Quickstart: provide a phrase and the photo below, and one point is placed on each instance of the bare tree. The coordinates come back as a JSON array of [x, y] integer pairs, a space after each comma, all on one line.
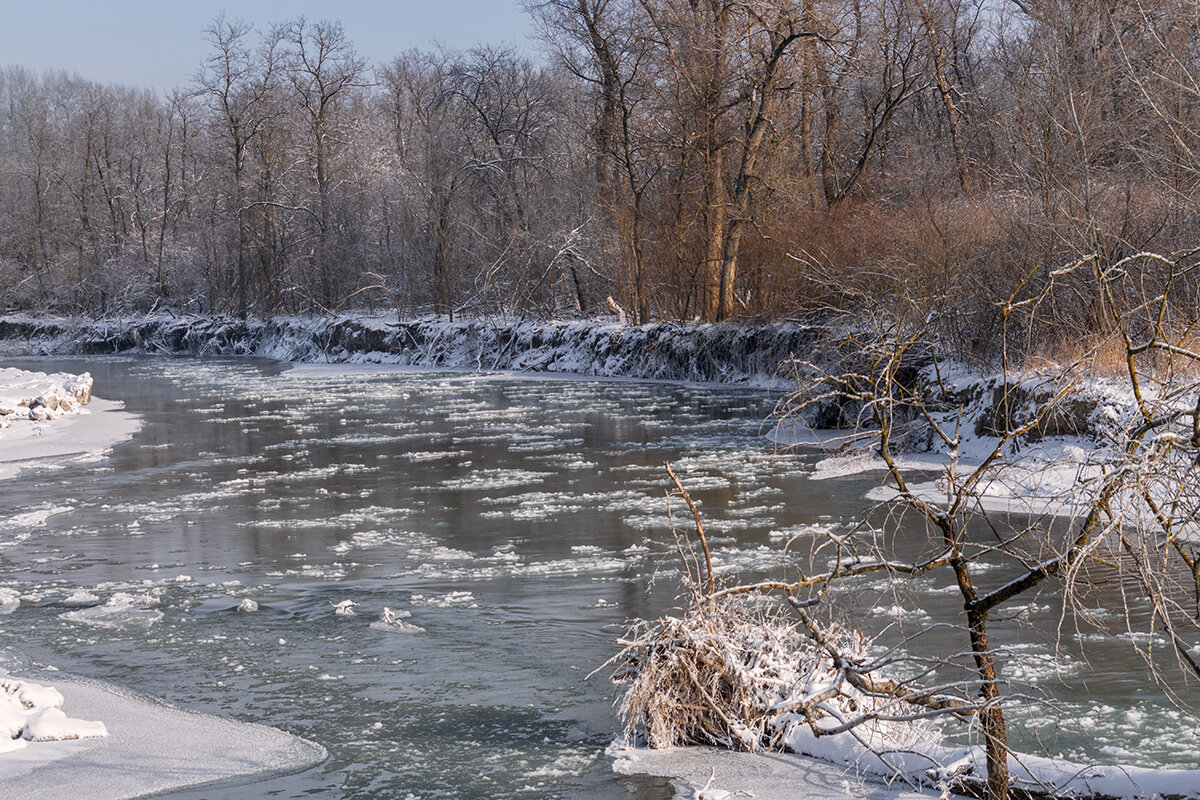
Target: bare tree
[[324, 68], [240, 82]]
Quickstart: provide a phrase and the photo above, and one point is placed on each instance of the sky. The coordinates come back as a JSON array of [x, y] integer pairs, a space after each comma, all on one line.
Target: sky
[[159, 44]]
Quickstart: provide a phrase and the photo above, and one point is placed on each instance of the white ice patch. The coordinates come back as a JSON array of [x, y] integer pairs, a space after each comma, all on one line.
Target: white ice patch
[[16, 528], [81, 597], [449, 600], [391, 622], [423, 457], [491, 479], [566, 765], [344, 609], [779, 776], [10, 600], [123, 610]]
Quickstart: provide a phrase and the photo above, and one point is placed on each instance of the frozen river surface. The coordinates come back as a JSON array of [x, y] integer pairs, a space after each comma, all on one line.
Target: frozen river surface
[[520, 522]]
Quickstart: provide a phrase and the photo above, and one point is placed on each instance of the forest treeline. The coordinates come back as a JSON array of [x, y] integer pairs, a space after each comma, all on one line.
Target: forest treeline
[[677, 158]]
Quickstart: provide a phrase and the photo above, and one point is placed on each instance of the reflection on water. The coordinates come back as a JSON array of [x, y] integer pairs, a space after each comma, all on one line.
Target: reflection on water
[[521, 522]]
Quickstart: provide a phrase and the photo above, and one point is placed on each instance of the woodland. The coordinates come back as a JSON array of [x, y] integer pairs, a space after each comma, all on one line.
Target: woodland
[[667, 159]]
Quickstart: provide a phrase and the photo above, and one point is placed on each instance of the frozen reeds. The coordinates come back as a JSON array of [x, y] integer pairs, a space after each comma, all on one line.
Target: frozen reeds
[[716, 676], [747, 672]]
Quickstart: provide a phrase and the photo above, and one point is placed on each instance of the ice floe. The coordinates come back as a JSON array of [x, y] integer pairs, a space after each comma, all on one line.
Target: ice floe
[[120, 611]]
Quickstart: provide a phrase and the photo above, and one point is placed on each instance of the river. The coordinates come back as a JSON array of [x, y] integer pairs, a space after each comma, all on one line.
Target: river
[[521, 522]]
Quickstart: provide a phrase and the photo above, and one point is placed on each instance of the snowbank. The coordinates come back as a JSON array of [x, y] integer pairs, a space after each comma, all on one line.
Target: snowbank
[[30, 712], [787, 776], [44, 422], [1040, 473], [733, 353], [38, 397], [150, 748], [708, 773]]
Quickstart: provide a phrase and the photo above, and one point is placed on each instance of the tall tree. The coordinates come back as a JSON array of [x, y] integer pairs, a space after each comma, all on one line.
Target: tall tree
[[325, 67], [239, 81]]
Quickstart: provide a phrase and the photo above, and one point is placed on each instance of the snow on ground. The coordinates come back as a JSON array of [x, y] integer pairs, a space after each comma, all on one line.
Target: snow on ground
[[709, 773], [1042, 477], [30, 712], [151, 748], [39, 396], [927, 762], [787, 776], [44, 424]]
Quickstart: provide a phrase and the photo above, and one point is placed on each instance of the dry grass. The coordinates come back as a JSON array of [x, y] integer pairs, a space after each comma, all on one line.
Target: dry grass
[[713, 675], [1105, 355], [739, 674]]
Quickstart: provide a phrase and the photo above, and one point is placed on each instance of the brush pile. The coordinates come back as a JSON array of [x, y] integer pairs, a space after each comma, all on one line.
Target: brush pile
[[740, 675]]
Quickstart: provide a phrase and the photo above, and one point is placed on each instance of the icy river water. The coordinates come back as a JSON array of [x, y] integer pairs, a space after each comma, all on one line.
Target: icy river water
[[521, 522]]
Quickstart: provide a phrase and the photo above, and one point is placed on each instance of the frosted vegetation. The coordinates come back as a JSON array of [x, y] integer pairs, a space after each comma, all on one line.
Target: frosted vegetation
[[803, 158], [977, 220], [1119, 508]]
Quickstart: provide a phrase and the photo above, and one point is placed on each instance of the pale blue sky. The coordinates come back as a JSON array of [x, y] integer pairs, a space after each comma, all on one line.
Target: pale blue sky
[[158, 43]]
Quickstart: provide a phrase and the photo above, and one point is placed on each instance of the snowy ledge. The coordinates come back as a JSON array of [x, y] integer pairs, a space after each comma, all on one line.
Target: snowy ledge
[[44, 423], [151, 748], [747, 354], [710, 773]]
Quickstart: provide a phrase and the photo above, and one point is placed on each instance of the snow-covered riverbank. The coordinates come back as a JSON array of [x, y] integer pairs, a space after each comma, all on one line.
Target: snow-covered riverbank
[[30, 712], [746, 354], [50, 419], [709, 773], [150, 748], [39, 397]]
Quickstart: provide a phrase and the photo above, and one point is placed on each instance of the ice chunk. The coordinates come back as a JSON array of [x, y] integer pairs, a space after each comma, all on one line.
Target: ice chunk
[[391, 622], [10, 600], [81, 597], [30, 695], [122, 610], [52, 725]]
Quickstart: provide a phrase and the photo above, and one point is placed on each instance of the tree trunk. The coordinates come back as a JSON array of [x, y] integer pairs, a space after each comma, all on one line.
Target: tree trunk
[[945, 90], [991, 719]]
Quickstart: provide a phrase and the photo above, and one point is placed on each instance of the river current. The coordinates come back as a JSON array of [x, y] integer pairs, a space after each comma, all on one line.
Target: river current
[[521, 522]]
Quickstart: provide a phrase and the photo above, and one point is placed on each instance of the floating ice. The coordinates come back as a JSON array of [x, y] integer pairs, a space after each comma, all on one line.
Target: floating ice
[[488, 479], [122, 610], [10, 600], [80, 597], [391, 622], [449, 600]]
